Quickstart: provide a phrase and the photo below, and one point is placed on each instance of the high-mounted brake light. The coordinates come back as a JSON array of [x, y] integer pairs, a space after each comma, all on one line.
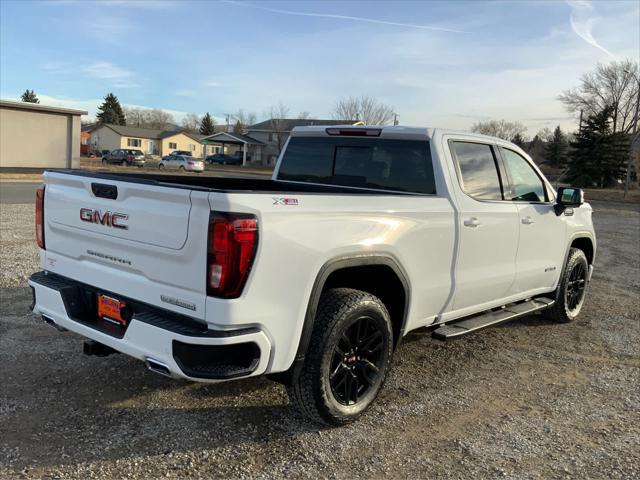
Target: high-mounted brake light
[[233, 239], [354, 132], [40, 216]]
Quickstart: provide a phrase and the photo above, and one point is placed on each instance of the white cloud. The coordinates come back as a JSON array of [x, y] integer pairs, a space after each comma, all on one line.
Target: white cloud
[[582, 21], [106, 71], [185, 93]]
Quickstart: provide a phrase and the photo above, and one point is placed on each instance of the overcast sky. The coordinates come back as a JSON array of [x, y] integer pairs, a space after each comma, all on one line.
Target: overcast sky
[[445, 64]]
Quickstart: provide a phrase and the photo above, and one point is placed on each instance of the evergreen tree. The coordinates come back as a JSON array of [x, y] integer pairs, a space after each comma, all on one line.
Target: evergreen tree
[[519, 140], [556, 150], [598, 156], [207, 125], [110, 111], [29, 96]]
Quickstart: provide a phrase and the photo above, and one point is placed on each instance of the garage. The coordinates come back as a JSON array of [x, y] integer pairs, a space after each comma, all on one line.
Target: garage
[[38, 136]]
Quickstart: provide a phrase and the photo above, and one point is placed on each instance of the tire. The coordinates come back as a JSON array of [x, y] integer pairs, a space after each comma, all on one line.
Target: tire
[[351, 341], [160, 166], [572, 288], [182, 169], [104, 161]]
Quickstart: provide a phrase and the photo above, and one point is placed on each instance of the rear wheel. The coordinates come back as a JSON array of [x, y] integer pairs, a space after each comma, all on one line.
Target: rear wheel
[[347, 360], [182, 168], [104, 161], [572, 288], [161, 166]]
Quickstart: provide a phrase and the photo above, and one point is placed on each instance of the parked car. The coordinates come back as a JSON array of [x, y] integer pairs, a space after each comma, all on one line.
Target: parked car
[[125, 156], [221, 159], [237, 155], [181, 162], [362, 235], [181, 152], [104, 152]]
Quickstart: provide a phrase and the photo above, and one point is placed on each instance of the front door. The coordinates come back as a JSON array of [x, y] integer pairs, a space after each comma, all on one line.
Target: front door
[[487, 225], [541, 246]]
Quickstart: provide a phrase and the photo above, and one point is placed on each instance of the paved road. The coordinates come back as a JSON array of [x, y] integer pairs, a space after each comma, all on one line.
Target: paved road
[[18, 192]]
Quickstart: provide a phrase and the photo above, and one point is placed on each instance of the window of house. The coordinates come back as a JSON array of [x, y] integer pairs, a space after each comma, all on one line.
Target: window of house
[[192, 147], [173, 145], [478, 168], [272, 137], [526, 185], [134, 142]]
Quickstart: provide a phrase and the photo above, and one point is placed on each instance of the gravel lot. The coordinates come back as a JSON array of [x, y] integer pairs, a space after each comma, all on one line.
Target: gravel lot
[[530, 399]]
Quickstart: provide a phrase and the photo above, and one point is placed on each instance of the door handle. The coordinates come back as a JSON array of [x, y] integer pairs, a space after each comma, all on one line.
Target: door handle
[[527, 220], [472, 222]]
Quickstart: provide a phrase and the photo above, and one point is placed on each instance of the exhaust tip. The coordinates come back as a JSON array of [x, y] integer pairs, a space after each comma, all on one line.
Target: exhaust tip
[[52, 323], [158, 367]]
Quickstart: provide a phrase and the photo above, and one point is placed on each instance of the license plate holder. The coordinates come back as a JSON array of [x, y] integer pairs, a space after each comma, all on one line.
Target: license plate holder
[[110, 309]]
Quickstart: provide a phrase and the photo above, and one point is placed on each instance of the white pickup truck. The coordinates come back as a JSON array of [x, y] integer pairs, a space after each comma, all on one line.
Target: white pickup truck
[[314, 276]]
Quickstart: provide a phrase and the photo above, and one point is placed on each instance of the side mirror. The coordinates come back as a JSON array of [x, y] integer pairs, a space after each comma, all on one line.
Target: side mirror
[[568, 197]]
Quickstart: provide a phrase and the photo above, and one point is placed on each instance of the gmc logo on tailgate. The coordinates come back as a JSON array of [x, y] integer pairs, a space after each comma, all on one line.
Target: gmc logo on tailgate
[[108, 219]]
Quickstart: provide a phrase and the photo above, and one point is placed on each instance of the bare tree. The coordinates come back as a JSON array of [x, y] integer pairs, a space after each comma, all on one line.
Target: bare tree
[[304, 115], [191, 122], [135, 117], [500, 128], [367, 109], [245, 118], [277, 115], [612, 85], [146, 118]]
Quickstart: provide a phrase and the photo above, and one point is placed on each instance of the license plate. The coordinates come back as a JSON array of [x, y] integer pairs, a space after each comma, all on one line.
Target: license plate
[[110, 309]]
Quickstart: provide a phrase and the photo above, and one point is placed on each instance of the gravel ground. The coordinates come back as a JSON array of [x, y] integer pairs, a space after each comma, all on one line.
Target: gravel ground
[[530, 399]]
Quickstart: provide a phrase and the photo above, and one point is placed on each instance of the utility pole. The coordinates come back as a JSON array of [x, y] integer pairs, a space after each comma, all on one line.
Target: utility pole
[[395, 119], [634, 138]]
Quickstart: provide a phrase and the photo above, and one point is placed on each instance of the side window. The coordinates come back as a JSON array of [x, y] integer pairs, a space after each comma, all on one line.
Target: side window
[[478, 170], [526, 185]]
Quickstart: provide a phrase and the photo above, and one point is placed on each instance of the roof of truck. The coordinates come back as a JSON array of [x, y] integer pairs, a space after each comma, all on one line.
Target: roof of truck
[[392, 131]]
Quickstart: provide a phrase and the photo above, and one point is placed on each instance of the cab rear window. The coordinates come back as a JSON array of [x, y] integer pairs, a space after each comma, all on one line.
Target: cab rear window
[[384, 164]]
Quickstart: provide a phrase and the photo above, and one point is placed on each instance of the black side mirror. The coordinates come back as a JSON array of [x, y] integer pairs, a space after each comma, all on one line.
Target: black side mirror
[[568, 198]]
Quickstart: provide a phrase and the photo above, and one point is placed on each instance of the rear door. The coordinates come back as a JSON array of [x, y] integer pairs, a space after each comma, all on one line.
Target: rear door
[[542, 232], [487, 225], [141, 240]]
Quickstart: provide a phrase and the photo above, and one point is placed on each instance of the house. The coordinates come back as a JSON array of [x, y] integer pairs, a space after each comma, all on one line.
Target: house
[[38, 136], [85, 138], [273, 134], [231, 142], [150, 140]]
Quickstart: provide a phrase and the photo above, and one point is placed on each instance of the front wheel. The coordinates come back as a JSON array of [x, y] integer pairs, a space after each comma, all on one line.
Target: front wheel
[[161, 167], [348, 357], [572, 288]]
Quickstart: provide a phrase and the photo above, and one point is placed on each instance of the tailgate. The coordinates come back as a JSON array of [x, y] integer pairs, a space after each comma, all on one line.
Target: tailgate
[[140, 239]]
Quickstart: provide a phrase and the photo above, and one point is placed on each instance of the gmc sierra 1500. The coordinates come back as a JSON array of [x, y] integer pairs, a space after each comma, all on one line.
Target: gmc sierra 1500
[[313, 277]]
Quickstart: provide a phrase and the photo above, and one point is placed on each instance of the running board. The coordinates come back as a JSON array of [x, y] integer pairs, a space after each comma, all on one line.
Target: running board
[[493, 317]]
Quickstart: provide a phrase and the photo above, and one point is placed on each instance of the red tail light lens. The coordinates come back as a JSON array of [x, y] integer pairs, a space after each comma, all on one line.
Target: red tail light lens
[[233, 239], [40, 216]]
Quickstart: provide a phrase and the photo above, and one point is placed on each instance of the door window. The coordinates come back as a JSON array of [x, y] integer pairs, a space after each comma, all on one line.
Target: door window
[[479, 175], [526, 185]]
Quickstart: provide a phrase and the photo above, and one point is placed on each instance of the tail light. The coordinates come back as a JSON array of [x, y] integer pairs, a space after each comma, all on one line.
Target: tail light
[[129, 157], [233, 239], [40, 216], [191, 163]]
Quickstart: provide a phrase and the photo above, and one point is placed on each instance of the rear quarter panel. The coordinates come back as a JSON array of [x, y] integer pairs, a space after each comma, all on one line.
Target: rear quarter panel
[[295, 241]]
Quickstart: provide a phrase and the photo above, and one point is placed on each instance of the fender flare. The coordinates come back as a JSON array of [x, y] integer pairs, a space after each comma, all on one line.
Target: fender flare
[[331, 266]]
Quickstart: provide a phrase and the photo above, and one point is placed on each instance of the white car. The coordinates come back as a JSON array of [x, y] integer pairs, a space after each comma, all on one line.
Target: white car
[[313, 277], [181, 162]]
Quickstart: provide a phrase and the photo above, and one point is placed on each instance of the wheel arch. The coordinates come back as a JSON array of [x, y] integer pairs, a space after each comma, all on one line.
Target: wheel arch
[[377, 273], [586, 244]]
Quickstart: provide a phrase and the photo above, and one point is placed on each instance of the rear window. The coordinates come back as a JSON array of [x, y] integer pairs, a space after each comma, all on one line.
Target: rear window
[[385, 164], [135, 152]]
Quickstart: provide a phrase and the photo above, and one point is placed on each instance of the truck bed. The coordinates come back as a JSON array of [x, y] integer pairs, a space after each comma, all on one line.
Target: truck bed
[[227, 184]]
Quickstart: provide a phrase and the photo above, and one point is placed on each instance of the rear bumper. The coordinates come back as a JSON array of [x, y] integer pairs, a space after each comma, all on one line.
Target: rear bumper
[[185, 347]]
